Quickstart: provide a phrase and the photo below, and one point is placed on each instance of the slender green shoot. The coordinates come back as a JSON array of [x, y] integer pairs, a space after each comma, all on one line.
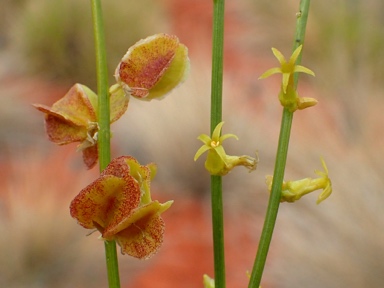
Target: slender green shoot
[[102, 86], [301, 25], [104, 127], [281, 158], [216, 116]]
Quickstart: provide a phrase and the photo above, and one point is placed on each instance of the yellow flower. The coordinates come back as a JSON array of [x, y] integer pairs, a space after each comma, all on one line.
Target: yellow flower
[[288, 96], [287, 68], [294, 190], [218, 162]]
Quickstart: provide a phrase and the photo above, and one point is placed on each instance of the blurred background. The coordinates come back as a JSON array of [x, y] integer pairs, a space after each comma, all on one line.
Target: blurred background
[[46, 46]]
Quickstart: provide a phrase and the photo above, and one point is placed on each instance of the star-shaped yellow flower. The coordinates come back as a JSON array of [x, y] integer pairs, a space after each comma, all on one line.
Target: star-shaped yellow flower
[[287, 68], [218, 162]]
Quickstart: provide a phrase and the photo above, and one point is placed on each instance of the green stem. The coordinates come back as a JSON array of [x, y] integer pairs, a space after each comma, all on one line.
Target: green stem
[[112, 264], [218, 231], [274, 200], [102, 86], [217, 63], [216, 116], [301, 25], [104, 127], [281, 158]]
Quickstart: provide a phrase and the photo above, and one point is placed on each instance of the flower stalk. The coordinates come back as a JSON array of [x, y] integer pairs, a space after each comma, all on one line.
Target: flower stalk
[[216, 118], [281, 158], [104, 134]]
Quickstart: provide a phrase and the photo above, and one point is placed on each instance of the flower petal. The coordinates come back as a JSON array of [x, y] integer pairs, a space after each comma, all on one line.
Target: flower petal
[[205, 139], [62, 131], [92, 98], [302, 69], [324, 165], [95, 204], [141, 234], [76, 105], [226, 136], [118, 102], [221, 152], [280, 57], [285, 81], [270, 72], [321, 173], [68, 118], [109, 199], [295, 55], [90, 156], [201, 151], [117, 167], [217, 131], [216, 161], [142, 174], [153, 168], [145, 63], [327, 191], [176, 74]]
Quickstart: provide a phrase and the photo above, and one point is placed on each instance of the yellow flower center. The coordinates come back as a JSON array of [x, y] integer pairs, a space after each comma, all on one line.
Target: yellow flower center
[[287, 67], [214, 144]]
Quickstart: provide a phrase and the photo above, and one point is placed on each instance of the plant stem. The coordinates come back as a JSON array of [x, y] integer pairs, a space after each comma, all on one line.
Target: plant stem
[[281, 158], [301, 25], [218, 230], [104, 127], [112, 264], [217, 63], [274, 200], [216, 116], [102, 86]]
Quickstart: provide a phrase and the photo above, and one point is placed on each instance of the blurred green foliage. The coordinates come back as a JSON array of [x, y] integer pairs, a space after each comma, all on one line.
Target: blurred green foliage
[[55, 38], [350, 34]]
